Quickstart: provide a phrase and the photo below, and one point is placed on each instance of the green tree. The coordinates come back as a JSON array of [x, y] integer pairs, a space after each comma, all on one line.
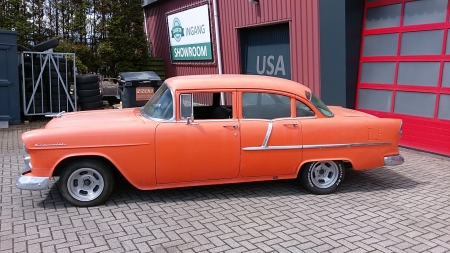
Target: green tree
[[125, 48], [14, 15]]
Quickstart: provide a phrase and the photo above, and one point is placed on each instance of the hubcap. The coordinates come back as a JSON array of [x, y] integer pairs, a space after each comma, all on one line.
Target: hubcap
[[85, 184], [324, 174]]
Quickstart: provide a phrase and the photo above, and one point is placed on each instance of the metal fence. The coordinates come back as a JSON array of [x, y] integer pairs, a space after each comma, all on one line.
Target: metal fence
[[48, 83]]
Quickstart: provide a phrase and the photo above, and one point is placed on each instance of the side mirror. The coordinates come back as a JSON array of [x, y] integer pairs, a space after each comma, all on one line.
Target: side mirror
[[190, 120]]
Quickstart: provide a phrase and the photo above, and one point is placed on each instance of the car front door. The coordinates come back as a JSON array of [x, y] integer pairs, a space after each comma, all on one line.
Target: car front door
[[198, 149], [271, 135]]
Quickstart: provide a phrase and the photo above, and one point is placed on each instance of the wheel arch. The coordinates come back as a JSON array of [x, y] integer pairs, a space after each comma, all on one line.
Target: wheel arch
[[68, 160], [347, 163]]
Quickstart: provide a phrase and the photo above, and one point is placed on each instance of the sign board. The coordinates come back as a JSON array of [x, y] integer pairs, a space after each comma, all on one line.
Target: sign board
[[190, 34], [144, 93]]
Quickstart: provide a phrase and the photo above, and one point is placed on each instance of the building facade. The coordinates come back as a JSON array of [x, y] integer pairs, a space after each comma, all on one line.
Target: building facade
[[384, 57]]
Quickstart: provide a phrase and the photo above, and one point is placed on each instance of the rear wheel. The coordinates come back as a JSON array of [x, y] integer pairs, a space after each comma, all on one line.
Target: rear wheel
[[322, 177], [86, 183]]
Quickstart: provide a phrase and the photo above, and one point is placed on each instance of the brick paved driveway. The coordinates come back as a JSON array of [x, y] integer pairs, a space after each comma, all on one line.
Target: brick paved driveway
[[398, 209]]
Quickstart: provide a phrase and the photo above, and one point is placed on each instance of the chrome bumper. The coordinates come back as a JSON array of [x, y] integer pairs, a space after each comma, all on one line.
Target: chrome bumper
[[25, 182], [393, 160]]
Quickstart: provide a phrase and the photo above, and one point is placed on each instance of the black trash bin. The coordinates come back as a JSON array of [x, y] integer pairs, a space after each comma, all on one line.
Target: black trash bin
[[137, 87]]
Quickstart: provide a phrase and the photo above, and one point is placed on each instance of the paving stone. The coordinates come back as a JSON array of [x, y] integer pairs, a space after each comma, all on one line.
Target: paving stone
[[388, 209]]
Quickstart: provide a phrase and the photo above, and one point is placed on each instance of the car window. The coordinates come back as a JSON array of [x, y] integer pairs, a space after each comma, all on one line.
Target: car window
[[260, 105], [321, 106], [302, 110], [207, 105], [160, 106]]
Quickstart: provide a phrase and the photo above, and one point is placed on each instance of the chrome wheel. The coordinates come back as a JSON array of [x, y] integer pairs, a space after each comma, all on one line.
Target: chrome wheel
[[85, 184], [324, 174]]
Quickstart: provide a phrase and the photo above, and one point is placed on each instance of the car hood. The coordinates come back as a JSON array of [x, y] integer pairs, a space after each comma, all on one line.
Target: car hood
[[344, 112], [96, 118]]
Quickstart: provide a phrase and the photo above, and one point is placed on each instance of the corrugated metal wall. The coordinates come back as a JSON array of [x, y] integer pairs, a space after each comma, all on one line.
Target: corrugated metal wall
[[302, 16]]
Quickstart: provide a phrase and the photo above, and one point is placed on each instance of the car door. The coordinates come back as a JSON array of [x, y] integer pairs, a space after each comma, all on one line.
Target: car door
[[271, 135], [206, 148]]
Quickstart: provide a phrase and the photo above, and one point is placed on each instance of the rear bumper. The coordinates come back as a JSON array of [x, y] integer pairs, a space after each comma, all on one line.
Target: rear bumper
[[393, 160], [33, 183]]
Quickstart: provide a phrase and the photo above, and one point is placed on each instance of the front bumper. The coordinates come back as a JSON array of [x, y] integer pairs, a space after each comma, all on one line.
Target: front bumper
[[33, 183], [393, 160]]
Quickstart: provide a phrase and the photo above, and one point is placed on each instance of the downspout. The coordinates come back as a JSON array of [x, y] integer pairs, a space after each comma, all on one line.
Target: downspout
[[219, 50], [146, 33], [216, 27]]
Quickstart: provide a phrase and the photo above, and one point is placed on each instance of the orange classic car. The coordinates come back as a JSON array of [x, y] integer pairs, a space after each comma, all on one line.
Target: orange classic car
[[204, 130]]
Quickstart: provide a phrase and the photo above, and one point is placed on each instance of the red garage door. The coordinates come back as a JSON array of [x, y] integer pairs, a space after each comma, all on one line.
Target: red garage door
[[404, 69]]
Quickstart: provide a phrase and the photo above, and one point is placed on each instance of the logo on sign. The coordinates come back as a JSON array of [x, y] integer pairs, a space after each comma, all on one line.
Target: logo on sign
[[177, 30], [144, 93]]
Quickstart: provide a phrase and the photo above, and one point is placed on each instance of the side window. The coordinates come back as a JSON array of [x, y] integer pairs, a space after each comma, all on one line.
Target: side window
[[257, 105], [302, 110], [206, 105]]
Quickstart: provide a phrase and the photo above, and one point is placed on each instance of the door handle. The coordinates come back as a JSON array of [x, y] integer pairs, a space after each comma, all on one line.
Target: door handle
[[292, 124], [233, 126]]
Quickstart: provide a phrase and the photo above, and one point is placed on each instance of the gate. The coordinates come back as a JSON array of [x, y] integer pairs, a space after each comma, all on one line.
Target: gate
[[48, 83]]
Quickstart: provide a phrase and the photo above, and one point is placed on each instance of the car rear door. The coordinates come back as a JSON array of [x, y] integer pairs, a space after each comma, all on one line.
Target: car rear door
[[271, 135]]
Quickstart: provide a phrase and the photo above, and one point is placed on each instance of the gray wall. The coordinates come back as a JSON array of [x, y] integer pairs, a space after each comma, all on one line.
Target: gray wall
[[340, 39]]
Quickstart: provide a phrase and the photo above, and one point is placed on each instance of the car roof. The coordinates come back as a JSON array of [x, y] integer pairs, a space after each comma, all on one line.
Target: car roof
[[236, 81]]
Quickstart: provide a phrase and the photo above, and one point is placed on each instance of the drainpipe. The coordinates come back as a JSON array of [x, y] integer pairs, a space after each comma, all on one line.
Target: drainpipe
[[219, 50], [216, 27], [146, 33]]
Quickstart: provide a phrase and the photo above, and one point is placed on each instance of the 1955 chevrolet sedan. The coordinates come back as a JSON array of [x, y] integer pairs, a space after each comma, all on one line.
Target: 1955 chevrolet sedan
[[203, 130]]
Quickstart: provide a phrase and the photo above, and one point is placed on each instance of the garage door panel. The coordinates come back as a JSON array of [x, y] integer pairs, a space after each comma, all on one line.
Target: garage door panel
[[408, 77], [266, 51]]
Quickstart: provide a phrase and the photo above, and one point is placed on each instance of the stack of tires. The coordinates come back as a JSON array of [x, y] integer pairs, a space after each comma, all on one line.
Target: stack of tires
[[88, 92], [57, 79], [35, 93]]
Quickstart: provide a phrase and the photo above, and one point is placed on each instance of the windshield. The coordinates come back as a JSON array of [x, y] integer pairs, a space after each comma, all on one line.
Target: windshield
[[321, 106], [160, 106]]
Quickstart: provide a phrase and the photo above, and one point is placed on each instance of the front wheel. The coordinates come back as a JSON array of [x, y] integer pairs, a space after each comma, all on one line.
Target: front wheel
[[322, 177], [86, 183]]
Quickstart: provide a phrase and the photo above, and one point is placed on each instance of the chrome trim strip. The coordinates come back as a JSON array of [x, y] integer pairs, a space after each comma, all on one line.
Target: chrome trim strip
[[348, 145], [268, 133], [393, 160], [27, 161], [273, 148]]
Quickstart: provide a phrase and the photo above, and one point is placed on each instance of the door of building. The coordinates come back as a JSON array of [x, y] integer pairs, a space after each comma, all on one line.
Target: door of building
[[265, 50], [404, 69], [9, 79]]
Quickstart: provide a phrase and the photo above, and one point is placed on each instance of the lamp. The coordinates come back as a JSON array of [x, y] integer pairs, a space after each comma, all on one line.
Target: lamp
[[254, 1]]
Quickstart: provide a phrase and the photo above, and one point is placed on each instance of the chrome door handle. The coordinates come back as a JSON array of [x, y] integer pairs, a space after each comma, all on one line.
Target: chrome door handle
[[293, 124], [233, 126]]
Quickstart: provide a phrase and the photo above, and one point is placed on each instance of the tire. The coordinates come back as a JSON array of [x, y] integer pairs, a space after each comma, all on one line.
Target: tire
[[88, 86], [21, 48], [86, 182], [88, 78], [46, 45], [59, 97], [322, 177], [90, 99], [91, 106], [52, 75], [88, 93], [37, 96], [61, 67], [61, 108]]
